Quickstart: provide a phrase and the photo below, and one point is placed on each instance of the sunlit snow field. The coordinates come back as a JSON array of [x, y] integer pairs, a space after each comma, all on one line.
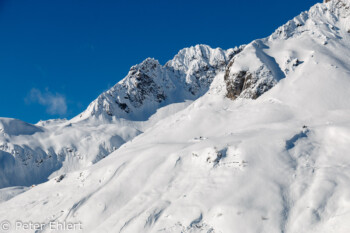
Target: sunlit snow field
[[279, 163]]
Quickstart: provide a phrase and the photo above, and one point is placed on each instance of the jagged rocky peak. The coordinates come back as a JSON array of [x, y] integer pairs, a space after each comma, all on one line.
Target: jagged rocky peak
[[147, 65], [196, 67], [192, 56], [149, 85], [144, 83]]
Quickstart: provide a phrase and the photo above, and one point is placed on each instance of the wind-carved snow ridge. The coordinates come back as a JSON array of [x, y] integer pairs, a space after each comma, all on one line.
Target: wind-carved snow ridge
[[292, 157], [149, 85], [255, 70]]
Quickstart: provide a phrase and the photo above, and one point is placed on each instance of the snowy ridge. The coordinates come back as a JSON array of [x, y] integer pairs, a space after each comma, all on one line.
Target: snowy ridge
[[319, 21], [149, 85]]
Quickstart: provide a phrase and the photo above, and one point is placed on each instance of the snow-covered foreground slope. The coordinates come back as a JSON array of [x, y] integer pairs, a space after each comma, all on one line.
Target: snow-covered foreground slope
[[279, 163], [248, 166]]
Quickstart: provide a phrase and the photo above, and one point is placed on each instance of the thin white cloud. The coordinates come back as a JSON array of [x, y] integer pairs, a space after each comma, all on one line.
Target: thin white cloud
[[55, 103]]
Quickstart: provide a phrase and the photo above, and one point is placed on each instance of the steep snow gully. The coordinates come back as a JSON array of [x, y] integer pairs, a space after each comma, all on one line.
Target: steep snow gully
[[251, 139]]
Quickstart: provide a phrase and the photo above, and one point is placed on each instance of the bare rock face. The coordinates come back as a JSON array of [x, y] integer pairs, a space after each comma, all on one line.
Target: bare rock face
[[237, 83], [144, 85], [248, 85], [251, 73]]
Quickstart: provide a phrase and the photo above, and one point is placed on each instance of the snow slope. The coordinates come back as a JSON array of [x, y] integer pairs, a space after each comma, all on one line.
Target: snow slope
[[276, 159]]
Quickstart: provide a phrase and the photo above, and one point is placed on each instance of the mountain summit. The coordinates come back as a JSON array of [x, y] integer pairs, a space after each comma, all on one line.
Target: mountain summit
[[149, 85]]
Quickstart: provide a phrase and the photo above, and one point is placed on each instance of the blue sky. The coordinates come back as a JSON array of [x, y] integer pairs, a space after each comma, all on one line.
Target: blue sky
[[58, 56]]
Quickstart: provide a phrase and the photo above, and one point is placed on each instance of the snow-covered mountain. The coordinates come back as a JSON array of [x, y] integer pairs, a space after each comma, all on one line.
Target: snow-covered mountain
[[31, 153], [149, 85], [260, 145]]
